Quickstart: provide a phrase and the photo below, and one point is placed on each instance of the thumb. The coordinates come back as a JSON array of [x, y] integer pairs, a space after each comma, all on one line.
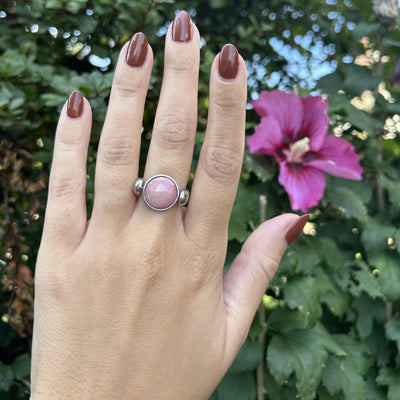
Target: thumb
[[247, 279]]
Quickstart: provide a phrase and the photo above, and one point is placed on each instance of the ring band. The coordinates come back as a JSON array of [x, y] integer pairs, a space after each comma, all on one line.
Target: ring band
[[161, 192]]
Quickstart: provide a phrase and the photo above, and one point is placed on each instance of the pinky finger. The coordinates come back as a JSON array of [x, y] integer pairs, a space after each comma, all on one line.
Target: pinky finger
[[65, 220]]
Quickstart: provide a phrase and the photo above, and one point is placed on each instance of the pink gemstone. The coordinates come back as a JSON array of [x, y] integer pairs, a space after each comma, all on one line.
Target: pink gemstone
[[161, 193]]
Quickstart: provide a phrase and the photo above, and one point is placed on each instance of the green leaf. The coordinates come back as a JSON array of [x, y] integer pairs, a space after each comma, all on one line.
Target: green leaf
[[364, 28], [331, 83], [6, 377], [368, 310], [360, 119], [237, 387], [275, 391], [358, 79], [366, 281], [355, 350], [54, 4], [244, 215], [248, 358], [397, 240], [302, 252], [303, 352], [283, 320], [390, 378], [12, 63], [75, 6], [21, 366], [392, 329], [262, 166], [374, 392], [328, 250], [340, 374], [53, 99], [347, 201], [379, 346], [7, 91], [388, 269], [323, 394], [336, 300], [375, 235], [393, 188], [302, 293], [339, 103], [363, 189]]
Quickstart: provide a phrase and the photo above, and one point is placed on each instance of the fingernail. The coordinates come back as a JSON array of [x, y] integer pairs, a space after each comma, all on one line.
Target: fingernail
[[75, 104], [137, 50], [228, 62], [294, 230], [182, 27]]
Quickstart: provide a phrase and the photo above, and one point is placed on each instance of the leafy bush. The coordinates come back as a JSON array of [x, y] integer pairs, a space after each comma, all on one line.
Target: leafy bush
[[329, 327]]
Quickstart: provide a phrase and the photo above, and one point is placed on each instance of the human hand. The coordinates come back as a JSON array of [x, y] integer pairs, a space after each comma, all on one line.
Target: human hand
[[133, 304]]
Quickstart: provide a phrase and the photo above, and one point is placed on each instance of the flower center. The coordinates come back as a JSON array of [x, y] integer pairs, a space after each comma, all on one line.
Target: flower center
[[297, 150]]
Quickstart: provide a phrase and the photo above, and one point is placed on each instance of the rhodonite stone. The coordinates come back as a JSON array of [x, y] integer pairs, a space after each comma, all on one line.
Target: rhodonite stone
[[160, 193]]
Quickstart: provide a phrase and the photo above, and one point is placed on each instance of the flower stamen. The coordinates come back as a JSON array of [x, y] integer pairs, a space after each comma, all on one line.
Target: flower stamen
[[297, 150]]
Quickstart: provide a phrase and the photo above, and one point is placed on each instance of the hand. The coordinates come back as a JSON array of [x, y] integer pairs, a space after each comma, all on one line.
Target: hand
[[133, 304]]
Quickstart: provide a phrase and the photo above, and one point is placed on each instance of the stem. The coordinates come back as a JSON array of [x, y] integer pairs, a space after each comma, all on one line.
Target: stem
[[261, 314], [380, 197]]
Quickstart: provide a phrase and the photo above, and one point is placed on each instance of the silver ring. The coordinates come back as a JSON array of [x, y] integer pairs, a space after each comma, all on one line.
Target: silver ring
[[161, 192]]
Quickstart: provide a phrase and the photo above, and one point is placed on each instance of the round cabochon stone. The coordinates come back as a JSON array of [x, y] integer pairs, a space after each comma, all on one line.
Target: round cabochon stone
[[160, 193]]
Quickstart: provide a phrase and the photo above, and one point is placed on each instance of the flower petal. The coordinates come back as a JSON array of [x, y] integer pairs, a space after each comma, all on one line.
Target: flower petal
[[304, 185], [315, 120], [337, 157], [286, 108], [267, 138]]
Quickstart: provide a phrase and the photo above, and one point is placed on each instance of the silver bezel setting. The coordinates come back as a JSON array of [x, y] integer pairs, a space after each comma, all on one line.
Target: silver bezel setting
[[182, 197], [138, 186], [160, 176]]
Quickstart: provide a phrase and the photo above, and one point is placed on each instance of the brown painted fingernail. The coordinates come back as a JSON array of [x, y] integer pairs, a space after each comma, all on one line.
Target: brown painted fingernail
[[75, 104], [137, 50], [228, 62], [294, 230], [182, 27]]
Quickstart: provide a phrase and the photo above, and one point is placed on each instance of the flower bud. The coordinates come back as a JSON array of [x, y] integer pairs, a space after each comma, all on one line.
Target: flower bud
[[395, 78], [386, 10]]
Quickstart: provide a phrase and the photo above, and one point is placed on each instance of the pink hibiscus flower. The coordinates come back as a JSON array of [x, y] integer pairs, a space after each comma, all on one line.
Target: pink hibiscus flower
[[293, 129]]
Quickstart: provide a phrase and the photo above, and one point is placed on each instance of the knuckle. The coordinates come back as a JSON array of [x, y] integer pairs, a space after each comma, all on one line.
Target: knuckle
[[111, 202], [69, 139], [152, 263], [262, 260], [183, 63], [198, 263], [124, 86], [66, 186], [221, 163], [173, 131], [225, 105], [117, 150]]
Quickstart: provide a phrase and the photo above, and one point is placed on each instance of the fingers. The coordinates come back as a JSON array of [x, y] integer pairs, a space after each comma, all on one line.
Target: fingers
[[217, 175], [66, 207], [119, 148], [246, 281], [172, 141]]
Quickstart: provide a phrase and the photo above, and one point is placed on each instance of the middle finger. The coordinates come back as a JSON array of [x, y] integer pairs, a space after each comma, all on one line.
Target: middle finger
[[171, 147]]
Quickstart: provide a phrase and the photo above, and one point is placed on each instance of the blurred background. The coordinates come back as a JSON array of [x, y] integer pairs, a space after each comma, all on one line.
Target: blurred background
[[329, 324]]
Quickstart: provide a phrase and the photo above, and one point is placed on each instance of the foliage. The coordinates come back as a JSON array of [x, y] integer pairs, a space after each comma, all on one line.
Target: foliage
[[332, 312]]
